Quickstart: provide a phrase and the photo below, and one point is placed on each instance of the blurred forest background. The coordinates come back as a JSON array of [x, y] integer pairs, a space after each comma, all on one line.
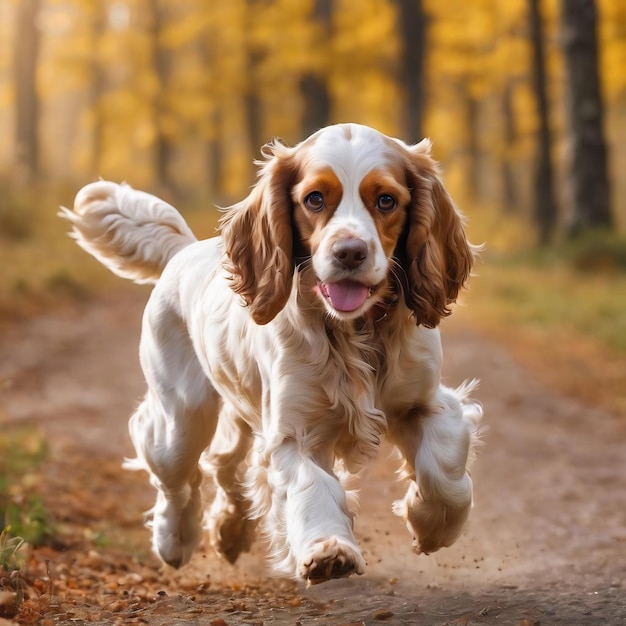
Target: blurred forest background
[[525, 102]]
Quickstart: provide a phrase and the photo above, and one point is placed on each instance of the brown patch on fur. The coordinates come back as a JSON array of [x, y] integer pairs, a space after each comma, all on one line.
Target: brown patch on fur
[[310, 223], [389, 225]]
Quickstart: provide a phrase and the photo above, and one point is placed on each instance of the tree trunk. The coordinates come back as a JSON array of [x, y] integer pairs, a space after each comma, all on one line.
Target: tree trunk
[[96, 88], [253, 104], [588, 174], [254, 107], [413, 31], [509, 191], [214, 157], [162, 143], [313, 87], [471, 106], [26, 98], [213, 149], [545, 209]]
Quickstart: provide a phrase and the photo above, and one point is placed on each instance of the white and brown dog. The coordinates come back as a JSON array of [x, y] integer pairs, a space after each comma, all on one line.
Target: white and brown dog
[[285, 349]]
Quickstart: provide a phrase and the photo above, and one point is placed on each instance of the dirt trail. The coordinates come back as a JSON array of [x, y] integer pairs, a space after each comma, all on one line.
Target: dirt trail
[[546, 543]]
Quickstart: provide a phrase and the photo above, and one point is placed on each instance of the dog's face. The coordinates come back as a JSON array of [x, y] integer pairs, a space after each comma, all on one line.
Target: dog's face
[[369, 211], [350, 207]]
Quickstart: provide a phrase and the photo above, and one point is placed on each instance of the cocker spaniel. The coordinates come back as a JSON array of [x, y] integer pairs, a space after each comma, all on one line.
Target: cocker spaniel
[[279, 354]]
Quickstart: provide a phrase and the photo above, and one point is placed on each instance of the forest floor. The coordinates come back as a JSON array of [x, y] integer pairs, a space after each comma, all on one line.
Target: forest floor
[[546, 542]]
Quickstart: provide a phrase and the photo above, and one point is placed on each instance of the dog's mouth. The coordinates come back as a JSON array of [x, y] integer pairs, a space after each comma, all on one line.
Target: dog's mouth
[[347, 295]]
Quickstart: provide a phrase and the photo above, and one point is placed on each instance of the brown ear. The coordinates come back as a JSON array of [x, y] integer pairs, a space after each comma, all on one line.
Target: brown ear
[[437, 258], [258, 240]]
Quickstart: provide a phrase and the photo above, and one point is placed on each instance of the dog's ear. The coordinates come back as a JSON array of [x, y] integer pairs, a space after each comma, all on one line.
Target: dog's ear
[[258, 239], [437, 257]]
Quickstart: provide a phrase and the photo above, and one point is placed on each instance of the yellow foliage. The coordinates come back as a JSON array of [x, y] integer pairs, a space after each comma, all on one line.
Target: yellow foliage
[[191, 73], [612, 35], [365, 56]]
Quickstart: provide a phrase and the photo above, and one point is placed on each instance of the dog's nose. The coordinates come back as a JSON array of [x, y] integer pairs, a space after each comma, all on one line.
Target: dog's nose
[[350, 252]]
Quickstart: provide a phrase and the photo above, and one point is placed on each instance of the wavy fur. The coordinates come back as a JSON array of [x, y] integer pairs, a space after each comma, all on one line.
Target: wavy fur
[[132, 233], [280, 354]]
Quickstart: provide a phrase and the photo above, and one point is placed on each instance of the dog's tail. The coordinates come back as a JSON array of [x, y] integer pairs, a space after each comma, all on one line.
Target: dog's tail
[[131, 232]]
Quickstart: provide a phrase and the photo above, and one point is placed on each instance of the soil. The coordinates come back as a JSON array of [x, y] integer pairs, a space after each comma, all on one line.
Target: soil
[[546, 542]]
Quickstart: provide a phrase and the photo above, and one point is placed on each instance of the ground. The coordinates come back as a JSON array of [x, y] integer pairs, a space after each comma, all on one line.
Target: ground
[[546, 543]]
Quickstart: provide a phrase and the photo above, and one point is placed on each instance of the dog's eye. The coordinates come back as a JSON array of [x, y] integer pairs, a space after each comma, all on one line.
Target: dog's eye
[[314, 201], [385, 203]]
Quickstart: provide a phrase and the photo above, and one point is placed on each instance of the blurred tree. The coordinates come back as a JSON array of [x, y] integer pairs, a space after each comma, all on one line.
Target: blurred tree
[[95, 89], [545, 207], [412, 26], [254, 54], [588, 174], [363, 72], [313, 85], [509, 190], [471, 112], [27, 44], [163, 147], [186, 91], [612, 34], [207, 51], [231, 33]]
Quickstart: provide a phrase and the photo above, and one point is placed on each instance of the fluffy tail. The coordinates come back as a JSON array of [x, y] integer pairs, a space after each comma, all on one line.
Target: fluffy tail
[[131, 232]]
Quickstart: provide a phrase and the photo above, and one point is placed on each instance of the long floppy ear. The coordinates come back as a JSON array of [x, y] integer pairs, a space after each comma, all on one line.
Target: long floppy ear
[[258, 240], [437, 257]]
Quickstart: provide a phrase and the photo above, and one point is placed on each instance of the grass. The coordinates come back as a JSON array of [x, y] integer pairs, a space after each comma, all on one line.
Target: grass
[[38, 265], [561, 309], [11, 551], [551, 297], [575, 286], [41, 267], [24, 518]]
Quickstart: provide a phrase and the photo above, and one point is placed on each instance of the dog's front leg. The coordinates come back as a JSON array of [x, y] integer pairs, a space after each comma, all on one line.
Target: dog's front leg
[[308, 521], [436, 442]]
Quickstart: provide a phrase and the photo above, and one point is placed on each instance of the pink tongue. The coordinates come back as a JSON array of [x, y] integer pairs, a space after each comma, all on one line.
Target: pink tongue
[[346, 295]]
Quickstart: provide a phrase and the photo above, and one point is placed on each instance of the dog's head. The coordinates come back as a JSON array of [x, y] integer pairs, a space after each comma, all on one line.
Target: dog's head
[[369, 211]]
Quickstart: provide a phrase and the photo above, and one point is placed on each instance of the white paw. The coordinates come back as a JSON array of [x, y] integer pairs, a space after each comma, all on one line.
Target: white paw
[[231, 532], [177, 526], [433, 524], [331, 558]]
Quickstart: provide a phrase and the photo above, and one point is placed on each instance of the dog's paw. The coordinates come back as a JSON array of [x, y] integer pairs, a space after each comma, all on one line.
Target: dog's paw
[[230, 531], [432, 524], [177, 527], [331, 558]]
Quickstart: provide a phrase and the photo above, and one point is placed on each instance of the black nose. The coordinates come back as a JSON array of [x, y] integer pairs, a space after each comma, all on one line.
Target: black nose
[[350, 252]]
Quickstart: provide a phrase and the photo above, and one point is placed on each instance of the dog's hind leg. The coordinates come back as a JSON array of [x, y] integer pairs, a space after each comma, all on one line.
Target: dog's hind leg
[[230, 529], [170, 430]]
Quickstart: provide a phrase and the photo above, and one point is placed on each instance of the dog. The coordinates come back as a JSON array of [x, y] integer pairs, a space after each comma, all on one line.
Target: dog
[[284, 350]]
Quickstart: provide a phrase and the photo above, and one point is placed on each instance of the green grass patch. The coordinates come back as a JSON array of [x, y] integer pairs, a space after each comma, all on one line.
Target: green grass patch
[[24, 519], [568, 327], [597, 251], [576, 287], [549, 296]]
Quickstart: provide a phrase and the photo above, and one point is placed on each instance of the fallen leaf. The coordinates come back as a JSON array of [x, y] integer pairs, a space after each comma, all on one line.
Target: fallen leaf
[[383, 614]]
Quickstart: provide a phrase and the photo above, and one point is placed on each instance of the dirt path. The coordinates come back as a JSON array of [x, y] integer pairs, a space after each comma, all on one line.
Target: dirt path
[[546, 543]]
